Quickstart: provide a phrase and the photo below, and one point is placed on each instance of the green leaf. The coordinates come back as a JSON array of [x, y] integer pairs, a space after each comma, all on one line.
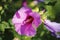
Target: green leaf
[[6, 24], [47, 1], [42, 33], [0, 38], [50, 13], [1, 8], [2, 27]]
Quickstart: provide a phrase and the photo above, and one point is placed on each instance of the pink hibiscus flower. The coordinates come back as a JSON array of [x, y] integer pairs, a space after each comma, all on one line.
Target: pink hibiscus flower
[[26, 21]]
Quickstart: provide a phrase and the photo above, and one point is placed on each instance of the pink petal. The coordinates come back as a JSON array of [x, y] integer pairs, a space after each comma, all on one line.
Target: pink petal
[[18, 28], [53, 25], [22, 15], [37, 20], [28, 30]]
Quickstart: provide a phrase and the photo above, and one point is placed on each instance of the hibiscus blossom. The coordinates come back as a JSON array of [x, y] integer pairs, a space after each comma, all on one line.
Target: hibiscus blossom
[[26, 21], [53, 27]]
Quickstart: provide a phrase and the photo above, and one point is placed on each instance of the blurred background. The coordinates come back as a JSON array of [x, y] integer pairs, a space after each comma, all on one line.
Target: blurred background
[[8, 9]]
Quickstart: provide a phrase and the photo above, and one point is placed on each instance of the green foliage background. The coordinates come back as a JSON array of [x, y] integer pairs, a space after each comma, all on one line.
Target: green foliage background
[[9, 7]]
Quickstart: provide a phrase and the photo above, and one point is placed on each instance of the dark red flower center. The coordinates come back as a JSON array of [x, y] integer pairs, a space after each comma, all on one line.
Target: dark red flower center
[[29, 19]]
